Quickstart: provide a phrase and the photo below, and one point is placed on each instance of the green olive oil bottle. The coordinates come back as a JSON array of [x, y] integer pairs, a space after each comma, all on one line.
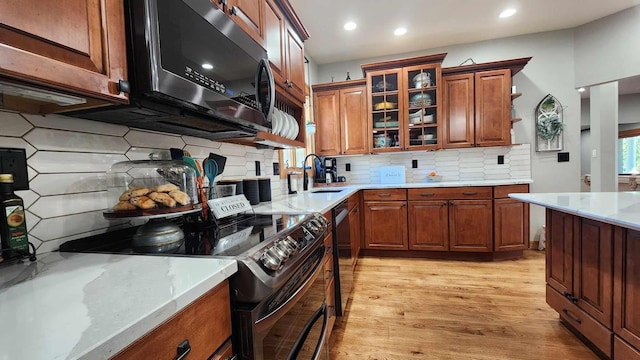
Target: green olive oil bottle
[[13, 226]]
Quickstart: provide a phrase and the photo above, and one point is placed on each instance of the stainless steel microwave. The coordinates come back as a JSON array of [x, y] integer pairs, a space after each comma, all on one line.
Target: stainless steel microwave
[[192, 71]]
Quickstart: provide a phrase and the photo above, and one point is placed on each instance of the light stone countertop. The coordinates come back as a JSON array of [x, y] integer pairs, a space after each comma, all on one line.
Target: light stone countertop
[[90, 306], [617, 208], [313, 201]]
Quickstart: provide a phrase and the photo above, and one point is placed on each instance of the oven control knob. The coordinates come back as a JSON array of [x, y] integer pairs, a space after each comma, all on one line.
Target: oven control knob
[[290, 244], [281, 250], [312, 226], [270, 260], [318, 224]]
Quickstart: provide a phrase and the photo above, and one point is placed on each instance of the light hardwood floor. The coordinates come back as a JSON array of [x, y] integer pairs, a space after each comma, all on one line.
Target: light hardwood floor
[[433, 309]]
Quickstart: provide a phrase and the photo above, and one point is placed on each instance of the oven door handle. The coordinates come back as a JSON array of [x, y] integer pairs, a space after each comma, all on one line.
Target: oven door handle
[[321, 312], [268, 320]]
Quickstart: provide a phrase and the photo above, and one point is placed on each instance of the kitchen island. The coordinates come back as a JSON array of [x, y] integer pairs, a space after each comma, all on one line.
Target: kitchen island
[[592, 267], [91, 306]]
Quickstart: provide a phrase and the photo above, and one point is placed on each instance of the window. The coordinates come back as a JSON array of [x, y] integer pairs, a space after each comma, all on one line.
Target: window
[[629, 152]]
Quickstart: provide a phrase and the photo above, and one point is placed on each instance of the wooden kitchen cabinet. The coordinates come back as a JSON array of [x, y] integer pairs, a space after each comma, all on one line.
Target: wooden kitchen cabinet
[[294, 63], [248, 14], [470, 225], [329, 281], [274, 40], [579, 267], [206, 324], [355, 232], [340, 116], [511, 219], [76, 46], [404, 103], [429, 225], [385, 222], [477, 103], [626, 290]]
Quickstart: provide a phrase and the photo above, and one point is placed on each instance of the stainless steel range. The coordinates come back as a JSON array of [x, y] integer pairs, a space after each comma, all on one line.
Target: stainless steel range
[[278, 293]]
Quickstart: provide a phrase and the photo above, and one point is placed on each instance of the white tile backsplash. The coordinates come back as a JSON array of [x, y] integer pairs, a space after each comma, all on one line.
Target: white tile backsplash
[[453, 164], [67, 160], [14, 125], [60, 122], [62, 140]]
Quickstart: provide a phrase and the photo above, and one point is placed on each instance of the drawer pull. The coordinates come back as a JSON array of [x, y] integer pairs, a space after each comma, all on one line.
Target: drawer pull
[[566, 312], [572, 298], [427, 194], [384, 195], [469, 193], [183, 349]]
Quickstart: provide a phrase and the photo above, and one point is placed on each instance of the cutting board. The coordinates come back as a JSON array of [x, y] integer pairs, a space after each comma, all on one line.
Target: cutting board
[[392, 175]]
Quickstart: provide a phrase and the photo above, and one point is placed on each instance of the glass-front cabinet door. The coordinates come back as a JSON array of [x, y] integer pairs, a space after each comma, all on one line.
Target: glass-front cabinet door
[[422, 106], [386, 109]]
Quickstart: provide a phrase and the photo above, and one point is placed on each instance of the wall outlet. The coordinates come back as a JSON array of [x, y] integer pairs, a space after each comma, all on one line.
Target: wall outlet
[[414, 164], [257, 168], [276, 168], [563, 157], [347, 167], [14, 161], [500, 159]]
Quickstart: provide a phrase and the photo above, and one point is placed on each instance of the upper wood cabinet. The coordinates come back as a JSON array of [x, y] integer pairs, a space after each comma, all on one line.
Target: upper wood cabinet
[[76, 45], [404, 103], [340, 116], [477, 103], [248, 14], [284, 38], [274, 37]]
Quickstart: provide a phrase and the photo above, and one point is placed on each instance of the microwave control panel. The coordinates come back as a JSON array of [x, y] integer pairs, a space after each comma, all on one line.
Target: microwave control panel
[[203, 80]]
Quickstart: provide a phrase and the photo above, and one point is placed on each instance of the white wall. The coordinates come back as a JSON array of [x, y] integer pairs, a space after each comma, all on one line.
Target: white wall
[[628, 111], [628, 119], [608, 49], [550, 71]]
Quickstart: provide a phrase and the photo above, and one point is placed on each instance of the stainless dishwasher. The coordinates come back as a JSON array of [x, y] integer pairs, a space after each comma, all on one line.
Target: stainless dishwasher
[[342, 256]]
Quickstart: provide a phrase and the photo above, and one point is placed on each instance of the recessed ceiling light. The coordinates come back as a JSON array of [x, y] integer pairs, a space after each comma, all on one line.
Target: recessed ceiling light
[[507, 13], [207, 66], [581, 90], [400, 31], [350, 26]]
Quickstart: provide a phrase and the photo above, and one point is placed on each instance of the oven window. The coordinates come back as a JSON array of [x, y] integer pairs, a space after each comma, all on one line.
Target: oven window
[[282, 337]]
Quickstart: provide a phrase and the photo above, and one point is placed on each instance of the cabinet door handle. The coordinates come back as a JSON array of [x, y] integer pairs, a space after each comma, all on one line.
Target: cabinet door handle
[[569, 296], [286, 81], [183, 349], [384, 195], [427, 194], [233, 11], [469, 193], [222, 2], [566, 312], [450, 202]]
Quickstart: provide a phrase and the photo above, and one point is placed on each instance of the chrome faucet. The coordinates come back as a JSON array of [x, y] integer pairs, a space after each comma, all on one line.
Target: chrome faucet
[[305, 176]]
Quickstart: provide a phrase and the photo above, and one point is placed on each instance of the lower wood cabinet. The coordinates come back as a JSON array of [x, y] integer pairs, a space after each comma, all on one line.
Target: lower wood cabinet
[[206, 324], [471, 225], [355, 232], [385, 225], [330, 290], [429, 225], [511, 219], [591, 272], [626, 293]]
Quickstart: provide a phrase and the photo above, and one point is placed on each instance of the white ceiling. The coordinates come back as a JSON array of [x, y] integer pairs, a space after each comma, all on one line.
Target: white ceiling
[[433, 23]]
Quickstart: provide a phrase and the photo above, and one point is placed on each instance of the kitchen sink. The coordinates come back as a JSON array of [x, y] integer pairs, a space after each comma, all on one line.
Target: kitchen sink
[[325, 191]]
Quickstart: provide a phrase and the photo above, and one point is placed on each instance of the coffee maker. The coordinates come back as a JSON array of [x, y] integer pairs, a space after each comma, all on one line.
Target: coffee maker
[[326, 170]]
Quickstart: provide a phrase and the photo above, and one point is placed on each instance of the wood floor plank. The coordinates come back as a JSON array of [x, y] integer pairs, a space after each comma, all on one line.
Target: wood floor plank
[[434, 309]]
